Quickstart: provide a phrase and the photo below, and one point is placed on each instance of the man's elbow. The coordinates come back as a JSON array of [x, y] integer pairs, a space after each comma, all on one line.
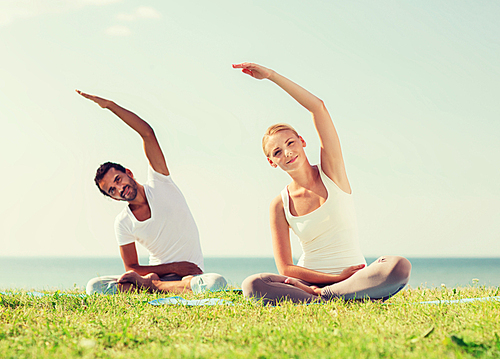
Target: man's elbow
[[133, 267], [148, 132]]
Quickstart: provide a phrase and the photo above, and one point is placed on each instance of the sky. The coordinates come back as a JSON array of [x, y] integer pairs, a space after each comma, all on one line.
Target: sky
[[412, 88]]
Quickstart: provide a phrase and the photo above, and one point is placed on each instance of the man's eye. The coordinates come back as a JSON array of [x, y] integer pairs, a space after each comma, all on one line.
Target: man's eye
[[111, 191]]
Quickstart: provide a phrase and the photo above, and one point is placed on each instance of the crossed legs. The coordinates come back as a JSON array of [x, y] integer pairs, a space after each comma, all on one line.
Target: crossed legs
[[171, 283], [379, 281]]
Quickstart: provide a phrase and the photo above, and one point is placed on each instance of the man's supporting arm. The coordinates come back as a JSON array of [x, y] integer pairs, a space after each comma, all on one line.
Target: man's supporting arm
[[131, 262], [131, 281]]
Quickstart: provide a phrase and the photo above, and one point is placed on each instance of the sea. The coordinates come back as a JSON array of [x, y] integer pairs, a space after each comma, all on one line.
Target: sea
[[47, 273]]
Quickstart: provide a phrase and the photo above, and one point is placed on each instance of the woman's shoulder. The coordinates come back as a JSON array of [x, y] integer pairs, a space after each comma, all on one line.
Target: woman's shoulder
[[277, 203], [336, 176]]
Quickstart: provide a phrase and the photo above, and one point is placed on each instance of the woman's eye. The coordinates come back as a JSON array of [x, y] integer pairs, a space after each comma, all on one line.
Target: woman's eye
[[276, 153], [290, 143]]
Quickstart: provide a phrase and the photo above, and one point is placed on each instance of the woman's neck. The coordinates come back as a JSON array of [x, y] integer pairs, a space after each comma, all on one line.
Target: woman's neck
[[305, 177]]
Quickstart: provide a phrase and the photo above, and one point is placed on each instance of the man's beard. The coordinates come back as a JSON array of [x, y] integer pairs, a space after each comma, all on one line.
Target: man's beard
[[132, 189]]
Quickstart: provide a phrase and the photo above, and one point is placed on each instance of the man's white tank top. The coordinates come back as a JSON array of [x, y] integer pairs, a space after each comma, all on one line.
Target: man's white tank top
[[329, 234]]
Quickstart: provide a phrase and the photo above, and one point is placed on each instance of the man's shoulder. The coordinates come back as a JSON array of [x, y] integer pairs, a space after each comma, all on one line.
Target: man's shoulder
[[122, 218], [154, 176]]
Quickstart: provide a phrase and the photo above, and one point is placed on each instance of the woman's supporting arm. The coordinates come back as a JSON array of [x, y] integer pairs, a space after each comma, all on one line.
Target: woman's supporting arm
[[280, 234]]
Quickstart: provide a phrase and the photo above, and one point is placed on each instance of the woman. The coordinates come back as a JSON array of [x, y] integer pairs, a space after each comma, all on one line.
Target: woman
[[318, 206]]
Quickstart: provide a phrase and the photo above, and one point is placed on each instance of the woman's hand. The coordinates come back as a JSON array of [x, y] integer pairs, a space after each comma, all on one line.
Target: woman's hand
[[256, 71], [308, 289], [349, 271], [98, 100]]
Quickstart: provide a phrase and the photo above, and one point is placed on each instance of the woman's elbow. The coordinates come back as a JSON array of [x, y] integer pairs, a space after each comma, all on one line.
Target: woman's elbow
[[285, 270], [318, 106]]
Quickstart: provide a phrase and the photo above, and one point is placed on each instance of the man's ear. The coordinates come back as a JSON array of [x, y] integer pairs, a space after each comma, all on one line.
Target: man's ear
[[274, 165], [303, 142], [129, 173]]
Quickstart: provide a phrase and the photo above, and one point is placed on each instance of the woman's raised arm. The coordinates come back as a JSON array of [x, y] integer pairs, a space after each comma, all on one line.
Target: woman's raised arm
[[332, 161]]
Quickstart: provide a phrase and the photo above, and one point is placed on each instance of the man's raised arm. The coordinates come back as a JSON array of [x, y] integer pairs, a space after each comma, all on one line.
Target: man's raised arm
[[151, 146]]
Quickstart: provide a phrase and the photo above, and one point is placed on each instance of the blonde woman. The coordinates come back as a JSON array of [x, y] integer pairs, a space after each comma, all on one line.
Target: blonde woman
[[318, 206]]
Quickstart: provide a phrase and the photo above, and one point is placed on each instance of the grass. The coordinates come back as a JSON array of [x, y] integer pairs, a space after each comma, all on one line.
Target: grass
[[126, 326]]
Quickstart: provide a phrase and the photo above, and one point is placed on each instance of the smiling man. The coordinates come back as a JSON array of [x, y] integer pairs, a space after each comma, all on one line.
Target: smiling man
[[157, 216]]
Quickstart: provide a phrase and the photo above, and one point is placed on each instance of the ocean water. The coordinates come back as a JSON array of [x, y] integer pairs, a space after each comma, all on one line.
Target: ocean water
[[65, 273]]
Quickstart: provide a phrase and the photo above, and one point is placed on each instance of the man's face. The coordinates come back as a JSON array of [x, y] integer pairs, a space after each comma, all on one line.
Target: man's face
[[120, 186]]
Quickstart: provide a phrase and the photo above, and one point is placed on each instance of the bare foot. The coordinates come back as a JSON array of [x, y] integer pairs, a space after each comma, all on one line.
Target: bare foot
[[138, 281], [297, 283]]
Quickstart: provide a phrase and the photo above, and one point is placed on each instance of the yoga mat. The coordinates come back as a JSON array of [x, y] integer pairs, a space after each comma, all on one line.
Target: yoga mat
[[39, 294], [219, 301], [189, 303], [465, 300]]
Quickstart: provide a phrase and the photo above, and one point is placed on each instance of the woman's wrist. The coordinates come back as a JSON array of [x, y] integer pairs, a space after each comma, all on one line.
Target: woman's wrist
[[338, 278], [273, 75]]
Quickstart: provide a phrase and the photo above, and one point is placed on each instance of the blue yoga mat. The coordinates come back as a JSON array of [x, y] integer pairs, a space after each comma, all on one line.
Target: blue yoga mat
[[190, 303], [220, 301], [465, 300], [39, 294]]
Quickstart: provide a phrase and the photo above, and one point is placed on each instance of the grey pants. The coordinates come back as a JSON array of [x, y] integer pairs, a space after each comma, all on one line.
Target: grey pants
[[380, 280]]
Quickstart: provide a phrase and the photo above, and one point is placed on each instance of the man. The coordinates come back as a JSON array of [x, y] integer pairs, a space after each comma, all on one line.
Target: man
[[157, 216]]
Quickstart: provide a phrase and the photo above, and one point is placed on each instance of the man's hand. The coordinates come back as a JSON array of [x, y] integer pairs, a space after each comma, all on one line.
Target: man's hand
[[98, 100], [185, 268]]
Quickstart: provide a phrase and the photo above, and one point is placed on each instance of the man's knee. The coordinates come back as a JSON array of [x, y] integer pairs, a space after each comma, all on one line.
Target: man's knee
[[102, 285], [211, 282]]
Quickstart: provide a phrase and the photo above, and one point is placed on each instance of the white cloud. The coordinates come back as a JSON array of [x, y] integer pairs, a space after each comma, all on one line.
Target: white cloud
[[118, 30], [12, 10], [142, 12], [147, 13]]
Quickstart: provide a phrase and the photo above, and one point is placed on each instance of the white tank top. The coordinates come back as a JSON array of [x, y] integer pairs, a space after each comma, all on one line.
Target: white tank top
[[328, 235]]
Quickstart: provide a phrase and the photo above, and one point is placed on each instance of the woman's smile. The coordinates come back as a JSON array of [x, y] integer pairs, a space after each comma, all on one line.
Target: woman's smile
[[292, 160]]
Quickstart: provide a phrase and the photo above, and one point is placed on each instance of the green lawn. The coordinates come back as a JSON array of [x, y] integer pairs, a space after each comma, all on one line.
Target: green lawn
[[126, 326]]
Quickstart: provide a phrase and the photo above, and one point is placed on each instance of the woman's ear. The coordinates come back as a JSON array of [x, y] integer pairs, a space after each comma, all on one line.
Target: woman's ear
[[303, 142], [274, 165]]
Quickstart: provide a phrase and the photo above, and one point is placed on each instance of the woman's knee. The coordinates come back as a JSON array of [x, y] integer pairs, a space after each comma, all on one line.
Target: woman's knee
[[256, 284], [401, 269]]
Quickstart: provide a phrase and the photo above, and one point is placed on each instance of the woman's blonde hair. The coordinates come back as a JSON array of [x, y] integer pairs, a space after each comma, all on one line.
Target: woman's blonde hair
[[273, 130]]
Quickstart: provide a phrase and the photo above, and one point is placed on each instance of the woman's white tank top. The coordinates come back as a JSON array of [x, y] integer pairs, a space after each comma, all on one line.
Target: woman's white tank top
[[328, 235]]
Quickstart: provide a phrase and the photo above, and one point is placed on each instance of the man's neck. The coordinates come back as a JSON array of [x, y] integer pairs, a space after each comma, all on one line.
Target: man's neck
[[140, 200], [140, 206]]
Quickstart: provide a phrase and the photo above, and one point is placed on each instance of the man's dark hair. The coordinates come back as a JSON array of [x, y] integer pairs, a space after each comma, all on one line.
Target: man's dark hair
[[102, 170]]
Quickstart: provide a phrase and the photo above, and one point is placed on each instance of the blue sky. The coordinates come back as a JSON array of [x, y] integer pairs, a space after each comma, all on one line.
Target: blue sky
[[412, 87]]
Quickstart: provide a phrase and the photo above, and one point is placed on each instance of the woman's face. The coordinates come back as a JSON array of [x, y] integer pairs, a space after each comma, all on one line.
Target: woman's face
[[286, 150]]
